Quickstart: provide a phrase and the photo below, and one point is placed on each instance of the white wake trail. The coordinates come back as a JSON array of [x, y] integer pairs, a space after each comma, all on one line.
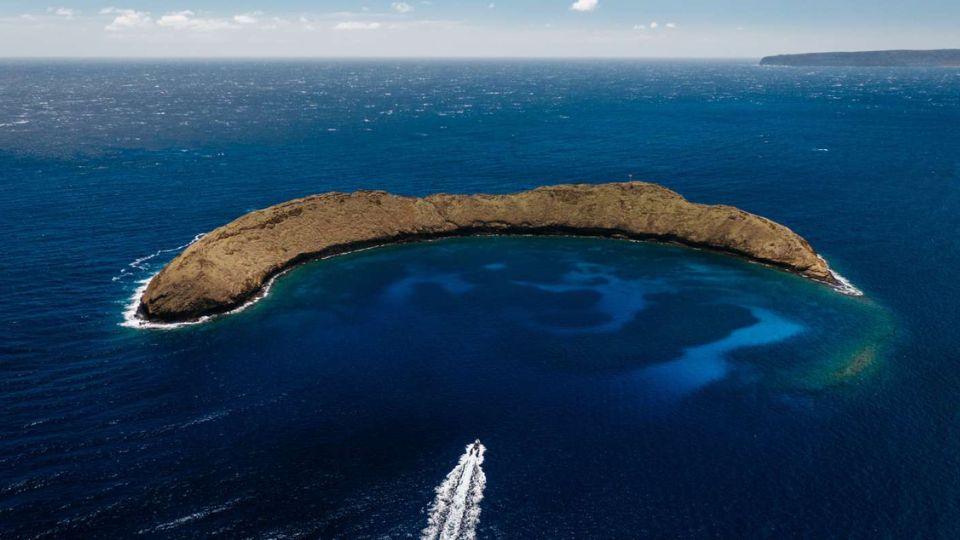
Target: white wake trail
[[455, 511]]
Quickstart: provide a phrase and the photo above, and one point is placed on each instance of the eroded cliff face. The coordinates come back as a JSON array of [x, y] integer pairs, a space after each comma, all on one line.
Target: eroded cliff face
[[233, 263]]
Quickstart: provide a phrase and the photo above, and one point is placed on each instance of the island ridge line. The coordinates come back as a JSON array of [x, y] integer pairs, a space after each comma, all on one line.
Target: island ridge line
[[231, 265]]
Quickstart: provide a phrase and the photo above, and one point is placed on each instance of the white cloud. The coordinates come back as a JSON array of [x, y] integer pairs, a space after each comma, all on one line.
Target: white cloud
[[126, 19], [355, 25], [63, 12], [187, 20], [653, 26], [247, 18], [585, 5], [402, 7], [307, 24], [274, 23], [491, 5]]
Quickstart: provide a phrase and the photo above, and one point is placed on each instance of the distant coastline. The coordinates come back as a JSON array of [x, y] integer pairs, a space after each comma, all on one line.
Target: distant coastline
[[892, 58]]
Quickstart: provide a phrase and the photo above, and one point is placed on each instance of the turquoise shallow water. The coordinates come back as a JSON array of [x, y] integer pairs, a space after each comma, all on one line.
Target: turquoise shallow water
[[620, 389]]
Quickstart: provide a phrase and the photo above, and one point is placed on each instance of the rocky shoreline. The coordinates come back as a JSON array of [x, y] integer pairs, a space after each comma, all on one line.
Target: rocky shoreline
[[231, 265]]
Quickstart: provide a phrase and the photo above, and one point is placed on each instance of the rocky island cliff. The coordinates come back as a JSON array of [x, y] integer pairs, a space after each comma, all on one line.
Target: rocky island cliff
[[895, 58], [232, 264]]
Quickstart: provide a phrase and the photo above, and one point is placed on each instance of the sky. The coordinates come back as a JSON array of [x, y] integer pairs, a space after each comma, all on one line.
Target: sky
[[470, 28]]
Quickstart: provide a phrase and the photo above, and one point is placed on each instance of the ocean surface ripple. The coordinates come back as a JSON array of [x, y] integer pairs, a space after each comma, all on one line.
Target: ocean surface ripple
[[625, 390]]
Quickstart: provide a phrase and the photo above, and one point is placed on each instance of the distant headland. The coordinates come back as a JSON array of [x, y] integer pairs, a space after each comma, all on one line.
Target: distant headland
[[233, 264], [895, 58]]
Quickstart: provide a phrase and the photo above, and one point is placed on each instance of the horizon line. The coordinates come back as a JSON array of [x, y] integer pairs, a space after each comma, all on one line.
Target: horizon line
[[381, 57], [446, 57]]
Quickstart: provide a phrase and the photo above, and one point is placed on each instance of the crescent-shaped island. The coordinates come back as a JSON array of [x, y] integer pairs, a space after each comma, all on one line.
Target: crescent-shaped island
[[233, 264]]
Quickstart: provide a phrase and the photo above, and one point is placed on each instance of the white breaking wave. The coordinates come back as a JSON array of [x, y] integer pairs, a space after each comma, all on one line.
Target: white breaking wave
[[201, 514], [455, 511], [140, 264], [132, 320], [844, 285]]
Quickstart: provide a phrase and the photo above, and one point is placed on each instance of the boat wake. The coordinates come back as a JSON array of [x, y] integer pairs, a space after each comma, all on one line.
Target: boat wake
[[455, 511]]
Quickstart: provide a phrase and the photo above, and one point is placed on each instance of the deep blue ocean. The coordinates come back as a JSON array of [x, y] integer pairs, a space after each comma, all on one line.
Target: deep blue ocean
[[622, 390]]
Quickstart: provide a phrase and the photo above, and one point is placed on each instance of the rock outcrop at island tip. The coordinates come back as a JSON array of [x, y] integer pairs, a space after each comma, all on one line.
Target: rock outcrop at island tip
[[232, 264]]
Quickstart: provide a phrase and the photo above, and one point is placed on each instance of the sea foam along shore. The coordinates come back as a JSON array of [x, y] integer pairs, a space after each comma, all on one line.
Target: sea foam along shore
[[132, 320], [842, 285], [845, 286]]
